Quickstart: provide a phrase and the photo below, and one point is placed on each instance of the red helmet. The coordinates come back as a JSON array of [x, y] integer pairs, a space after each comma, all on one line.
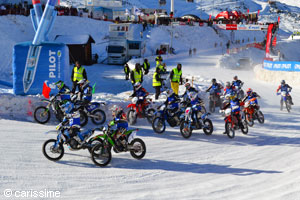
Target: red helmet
[[249, 91]]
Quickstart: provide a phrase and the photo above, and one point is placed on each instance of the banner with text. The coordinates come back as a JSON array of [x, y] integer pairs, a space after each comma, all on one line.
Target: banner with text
[[281, 66]]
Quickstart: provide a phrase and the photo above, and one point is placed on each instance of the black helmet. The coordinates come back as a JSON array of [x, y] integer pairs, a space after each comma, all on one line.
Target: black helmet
[[235, 77], [213, 80], [283, 82]]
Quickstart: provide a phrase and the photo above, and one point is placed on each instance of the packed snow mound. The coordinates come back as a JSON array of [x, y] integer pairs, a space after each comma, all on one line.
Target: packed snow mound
[[292, 78]]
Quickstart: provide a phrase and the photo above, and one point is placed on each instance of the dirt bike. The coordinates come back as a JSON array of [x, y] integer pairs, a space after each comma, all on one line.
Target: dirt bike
[[127, 141], [239, 92], [231, 124], [53, 149], [91, 110], [140, 110], [214, 101], [201, 122], [164, 114], [252, 112], [286, 100], [42, 113]]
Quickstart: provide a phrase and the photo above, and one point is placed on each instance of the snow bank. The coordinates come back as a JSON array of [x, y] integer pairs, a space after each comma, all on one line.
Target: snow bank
[[292, 78]]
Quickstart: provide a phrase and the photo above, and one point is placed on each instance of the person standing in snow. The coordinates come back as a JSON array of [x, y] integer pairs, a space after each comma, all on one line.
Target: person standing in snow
[[136, 75], [157, 82], [126, 71], [78, 74], [146, 66], [176, 78]]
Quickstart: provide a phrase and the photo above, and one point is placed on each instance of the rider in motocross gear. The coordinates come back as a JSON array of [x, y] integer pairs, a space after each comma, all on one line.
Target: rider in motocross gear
[[72, 116], [215, 87], [188, 90], [86, 94], [285, 87], [171, 102], [64, 91], [235, 105], [236, 82], [194, 103], [141, 94], [229, 89], [119, 120]]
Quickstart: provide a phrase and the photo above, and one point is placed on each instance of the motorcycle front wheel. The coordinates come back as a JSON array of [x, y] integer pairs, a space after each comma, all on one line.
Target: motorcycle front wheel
[[131, 117], [185, 130], [100, 116], [83, 118], [138, 148], [249, 119], [150, 115], [158, 125], [41, 115], [229, 130], [101, 156], [244, 128], [260, 117], [208, 127], [53, 153]]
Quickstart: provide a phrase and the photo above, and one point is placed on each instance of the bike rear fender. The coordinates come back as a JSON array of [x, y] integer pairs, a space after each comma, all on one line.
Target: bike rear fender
[[133, 106]]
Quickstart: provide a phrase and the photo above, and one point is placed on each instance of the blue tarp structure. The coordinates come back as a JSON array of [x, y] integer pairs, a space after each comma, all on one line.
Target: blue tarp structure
[[33, 65]]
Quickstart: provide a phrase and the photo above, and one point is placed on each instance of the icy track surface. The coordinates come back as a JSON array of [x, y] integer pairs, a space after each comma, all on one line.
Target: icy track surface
[[261, 165]]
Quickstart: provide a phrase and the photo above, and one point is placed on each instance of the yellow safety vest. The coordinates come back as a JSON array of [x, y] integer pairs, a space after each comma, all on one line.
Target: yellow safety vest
[[161, 67], [78, 74], [156, 82], [146, 65], [137, 76], [176, 75]]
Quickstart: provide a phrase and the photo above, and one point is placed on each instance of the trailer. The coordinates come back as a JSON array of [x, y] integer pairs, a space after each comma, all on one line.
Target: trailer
[[122, 45]]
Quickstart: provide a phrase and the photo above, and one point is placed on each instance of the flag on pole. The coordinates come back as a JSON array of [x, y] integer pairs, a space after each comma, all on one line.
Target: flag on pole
[[248, 11], [46, 90], [258, 12], [209, 18]]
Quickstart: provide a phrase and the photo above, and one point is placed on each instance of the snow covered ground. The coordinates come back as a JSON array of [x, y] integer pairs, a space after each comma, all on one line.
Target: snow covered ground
[[261, 165]]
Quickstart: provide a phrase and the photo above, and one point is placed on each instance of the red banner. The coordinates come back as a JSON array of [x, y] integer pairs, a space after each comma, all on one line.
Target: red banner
[[231, 26], [35, 2], [258, 12], [269, 37], [248, 10], [209, 18]]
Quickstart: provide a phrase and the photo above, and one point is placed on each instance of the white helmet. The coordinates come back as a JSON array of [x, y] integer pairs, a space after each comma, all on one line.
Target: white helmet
[[137, 85], [134, 100]]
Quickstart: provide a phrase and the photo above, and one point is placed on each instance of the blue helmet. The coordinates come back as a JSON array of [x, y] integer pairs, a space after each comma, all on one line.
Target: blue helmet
[[68, 107]]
